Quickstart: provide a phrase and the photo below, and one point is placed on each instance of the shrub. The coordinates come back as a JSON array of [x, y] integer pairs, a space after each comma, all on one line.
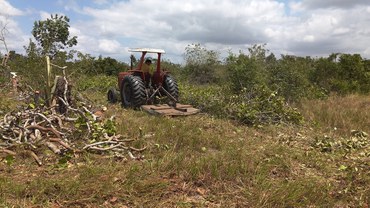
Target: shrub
[[208, 98], [201, 64], [259, 105], [255, 106], [246, 71], [100, 83], [291, 78]]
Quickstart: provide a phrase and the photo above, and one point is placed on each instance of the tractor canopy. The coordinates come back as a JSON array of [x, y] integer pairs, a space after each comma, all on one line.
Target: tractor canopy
[[144, 51], [147, 50]]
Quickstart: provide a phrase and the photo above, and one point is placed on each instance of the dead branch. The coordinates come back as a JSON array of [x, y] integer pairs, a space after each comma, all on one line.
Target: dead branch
[[131, 155], [61, 143], [3, 31], [137, 150], [45, 130], [9, 152], [81, 113], [43, 127], [53, 147], [34, 156], [105, 149], [99, 143]]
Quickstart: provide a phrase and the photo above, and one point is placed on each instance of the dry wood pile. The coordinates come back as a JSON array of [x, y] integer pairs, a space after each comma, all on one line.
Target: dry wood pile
[[77, 130]]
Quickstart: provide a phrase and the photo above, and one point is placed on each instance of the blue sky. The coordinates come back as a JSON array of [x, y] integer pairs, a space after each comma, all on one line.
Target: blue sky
[[109, 27]]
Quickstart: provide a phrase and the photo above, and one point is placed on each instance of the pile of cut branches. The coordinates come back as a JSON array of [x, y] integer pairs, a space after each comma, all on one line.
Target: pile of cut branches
[[79, 129]]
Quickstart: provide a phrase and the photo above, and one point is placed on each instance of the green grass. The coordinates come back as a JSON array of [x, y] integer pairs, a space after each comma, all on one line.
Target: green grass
[[202, 161]]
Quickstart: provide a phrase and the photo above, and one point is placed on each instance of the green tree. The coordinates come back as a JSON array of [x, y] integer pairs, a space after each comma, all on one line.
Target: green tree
[[53, 35], [32, 51], [246, 71], [174, 69], [291, 77], [342, 73], [352, 73], [201, 64], [109, 66], [325, 72], [85, 64], [365, 87], [133, 61]]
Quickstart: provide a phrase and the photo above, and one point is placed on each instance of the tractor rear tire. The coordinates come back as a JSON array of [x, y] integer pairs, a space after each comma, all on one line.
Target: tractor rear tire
[[133, 93], [170, 85], [112, 95]]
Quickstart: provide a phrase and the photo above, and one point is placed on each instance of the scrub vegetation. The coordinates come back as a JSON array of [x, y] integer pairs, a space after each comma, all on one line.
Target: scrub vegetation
[[272, 132]]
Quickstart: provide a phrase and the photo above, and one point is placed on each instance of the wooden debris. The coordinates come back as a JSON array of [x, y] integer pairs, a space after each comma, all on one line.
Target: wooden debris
[[9, 152], [40, 126]]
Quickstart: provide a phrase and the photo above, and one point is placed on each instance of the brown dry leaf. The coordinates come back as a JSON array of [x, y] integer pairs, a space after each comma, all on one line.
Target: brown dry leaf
[[113, 199], [201, 191]]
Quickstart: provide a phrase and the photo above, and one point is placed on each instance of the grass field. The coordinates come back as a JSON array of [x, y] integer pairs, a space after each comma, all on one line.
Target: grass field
[[201, 161]]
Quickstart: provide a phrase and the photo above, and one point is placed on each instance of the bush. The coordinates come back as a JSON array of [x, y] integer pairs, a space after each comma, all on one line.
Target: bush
[[291, 78], [255, 106], [260, 105], [100, 83], [202, 65], [208, 98], [246, 71], [342, 73]]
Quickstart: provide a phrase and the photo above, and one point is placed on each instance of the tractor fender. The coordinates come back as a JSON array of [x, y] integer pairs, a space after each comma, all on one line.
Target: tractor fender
[[158, 77], [122, 75]]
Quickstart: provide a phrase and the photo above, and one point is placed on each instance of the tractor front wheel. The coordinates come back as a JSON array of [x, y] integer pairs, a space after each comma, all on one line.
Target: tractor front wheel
[[171, 87], [133, 91], [112, 95]]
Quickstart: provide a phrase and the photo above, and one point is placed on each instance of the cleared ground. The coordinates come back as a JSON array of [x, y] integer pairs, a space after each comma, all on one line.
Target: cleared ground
[[200, 161]]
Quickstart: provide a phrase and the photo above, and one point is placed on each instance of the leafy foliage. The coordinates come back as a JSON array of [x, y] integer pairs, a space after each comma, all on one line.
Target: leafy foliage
[[260, 105], [245, 72], [87, 64], [201, 64], [173, 68], [252, 107], [351, 74], [108, 66], [357, 142], [342, 73], [100, 83], [291, 78], [208, 98], [53, 35]]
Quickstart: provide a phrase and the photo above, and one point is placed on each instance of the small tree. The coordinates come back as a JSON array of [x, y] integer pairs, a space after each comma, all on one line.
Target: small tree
[[247, 70], [4, 68], [352, 73], [291, 77], [3, 31], [53, 34], [201, 64]]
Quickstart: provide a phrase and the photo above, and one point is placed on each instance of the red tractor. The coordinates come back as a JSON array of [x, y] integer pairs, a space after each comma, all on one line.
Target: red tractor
[[137, 88]]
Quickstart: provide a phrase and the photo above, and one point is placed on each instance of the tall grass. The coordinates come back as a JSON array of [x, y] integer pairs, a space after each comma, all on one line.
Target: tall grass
[[338, 113]]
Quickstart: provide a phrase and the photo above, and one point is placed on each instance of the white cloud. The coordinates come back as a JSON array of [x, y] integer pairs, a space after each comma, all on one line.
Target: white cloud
[[178, 24], [109, 46], [300, 27], [309, 38], [8, 10], [345, 4], [231, 24], [44, 15], [101, 2], [11, 30]]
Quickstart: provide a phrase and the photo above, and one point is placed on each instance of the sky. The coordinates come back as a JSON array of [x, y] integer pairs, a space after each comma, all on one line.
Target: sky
[[109, 28]]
